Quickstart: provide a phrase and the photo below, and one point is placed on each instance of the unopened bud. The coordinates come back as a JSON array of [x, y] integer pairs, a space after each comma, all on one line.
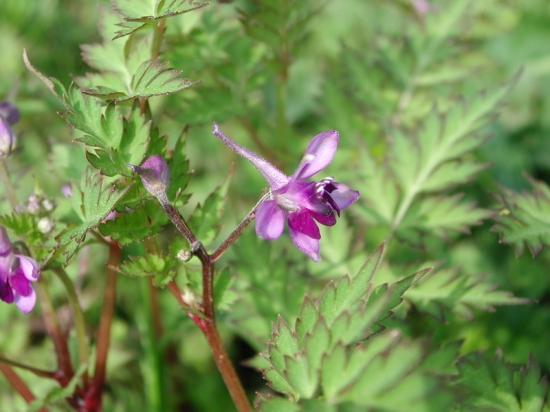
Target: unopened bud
[[154, 174], [45, 225], [7, 139], [9, 112]]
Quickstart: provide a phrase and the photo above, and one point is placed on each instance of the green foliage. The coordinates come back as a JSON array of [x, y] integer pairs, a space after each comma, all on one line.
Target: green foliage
[[92, 202], [161, 268], [317, 356], [150, 79], [490, 383], [138, 13], [523, 219]]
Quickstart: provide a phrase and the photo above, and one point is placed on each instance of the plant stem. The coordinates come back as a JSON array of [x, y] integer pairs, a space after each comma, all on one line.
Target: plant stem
[[5, 176], [38, 372], [104, 329], [64, 367], [238, 230], [78, 318], [18, 384]]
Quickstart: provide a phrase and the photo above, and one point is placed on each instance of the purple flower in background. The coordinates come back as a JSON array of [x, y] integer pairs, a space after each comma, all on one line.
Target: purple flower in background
[[7, 139], [294, 199], [16, 274], [9, 112]]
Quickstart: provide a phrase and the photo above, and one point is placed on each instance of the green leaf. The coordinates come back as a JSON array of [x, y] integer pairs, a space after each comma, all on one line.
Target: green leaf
[[58, 395], [24, 225], [348, 311], [137, 13], [447, 290], [490, 383], [161, 268], [92, 203], [524, 219], [224, 296], [150, 79], [441, 217]]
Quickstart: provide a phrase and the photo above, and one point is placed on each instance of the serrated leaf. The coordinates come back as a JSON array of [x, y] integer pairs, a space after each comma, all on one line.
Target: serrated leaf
[[92, 203], [24, 225], [160, 268], [150, 79], [277, 405], [490, 383], [524, 219], [448, 290], [441, 217], [135, 225], [393, 381], [138, 13]]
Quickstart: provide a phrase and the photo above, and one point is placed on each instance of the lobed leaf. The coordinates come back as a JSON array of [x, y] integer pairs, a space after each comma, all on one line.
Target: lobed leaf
[[92, 202], [524, 218], [447, 290], [137, 13], [490, 383]]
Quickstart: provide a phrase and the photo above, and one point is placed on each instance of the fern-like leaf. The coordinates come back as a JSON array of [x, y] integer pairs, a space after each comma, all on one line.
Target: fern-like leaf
[[524, 219]]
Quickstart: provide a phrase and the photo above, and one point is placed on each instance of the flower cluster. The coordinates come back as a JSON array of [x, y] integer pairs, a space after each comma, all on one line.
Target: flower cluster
[[296, 200], [16, 274]]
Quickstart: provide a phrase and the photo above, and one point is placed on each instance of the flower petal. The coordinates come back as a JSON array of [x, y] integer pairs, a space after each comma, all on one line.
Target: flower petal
[[274, 177], [19, 283], [29, 267], [343, 196], [319, 154], [26, 303], [6, 293], [326, 220], [300, 221], [270, 220], [306, 244]]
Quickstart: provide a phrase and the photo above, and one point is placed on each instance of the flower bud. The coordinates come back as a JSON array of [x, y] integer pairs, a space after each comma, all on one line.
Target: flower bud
[[154, 174], [9, 112], [7, 139]]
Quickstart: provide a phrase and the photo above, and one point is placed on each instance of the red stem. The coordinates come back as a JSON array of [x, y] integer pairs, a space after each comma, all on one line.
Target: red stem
[[18, 384], [104, 330]]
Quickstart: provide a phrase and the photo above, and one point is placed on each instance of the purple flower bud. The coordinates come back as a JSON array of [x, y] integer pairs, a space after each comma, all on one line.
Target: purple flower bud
[[7, 139], [294, 199], [9, 112], [154, 174], [16, 274]]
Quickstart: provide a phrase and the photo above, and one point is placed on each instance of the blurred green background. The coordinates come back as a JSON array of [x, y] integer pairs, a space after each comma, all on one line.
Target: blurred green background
[[350, 62]]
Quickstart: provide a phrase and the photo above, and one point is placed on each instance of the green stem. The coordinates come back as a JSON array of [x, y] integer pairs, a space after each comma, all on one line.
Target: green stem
[[150, 330], [78, 317], [158, 33], [5, 176]]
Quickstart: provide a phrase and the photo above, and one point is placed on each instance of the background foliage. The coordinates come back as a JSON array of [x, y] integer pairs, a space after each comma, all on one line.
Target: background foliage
[[442, 118]]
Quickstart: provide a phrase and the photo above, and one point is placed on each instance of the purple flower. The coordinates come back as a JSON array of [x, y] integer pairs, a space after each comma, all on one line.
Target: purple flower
[[294, 199], [16, 274], [9, 112]]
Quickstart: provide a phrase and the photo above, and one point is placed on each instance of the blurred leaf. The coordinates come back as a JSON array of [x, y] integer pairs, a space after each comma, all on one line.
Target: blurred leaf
[[447, 290], [150, 79], [24, 225], [440, 217], [524, 219], [137, 13], [160, 268], [224, 296], [492, 384]]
